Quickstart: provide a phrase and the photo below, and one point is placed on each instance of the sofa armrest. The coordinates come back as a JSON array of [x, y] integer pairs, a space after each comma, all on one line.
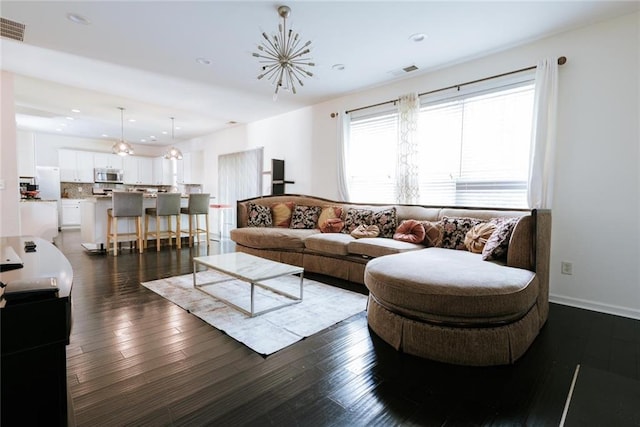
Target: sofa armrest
[[521, 252]]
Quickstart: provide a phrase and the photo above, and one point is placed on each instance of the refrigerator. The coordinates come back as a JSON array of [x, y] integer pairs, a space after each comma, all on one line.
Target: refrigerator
[[48, 182]]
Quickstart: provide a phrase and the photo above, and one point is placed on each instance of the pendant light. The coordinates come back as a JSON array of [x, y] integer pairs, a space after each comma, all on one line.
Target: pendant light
[[173, 152], [122, 147]]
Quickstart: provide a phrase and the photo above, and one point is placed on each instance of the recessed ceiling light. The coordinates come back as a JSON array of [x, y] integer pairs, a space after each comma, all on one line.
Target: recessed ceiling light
[[417, 37], [104, 135], [203, 61], [164, 132], [70, 118], [337, 67], [178, 128], [78, 19], [143, 140], [75, 110], [132, 120]]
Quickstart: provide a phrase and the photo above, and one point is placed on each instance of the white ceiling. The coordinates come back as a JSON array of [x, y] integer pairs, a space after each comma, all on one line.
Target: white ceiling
[[141, 55]]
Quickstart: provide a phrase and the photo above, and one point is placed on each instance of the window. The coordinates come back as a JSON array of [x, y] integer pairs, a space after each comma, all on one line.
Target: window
[[473, 148]]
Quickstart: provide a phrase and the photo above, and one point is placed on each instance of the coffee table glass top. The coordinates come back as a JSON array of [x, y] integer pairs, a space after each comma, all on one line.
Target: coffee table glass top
[[247, 267]]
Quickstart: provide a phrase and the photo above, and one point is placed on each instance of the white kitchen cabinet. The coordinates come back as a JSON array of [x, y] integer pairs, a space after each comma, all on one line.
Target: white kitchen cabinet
[[138, 170], [162, 171], [190, 168], [39, 219], [70, 213], [26, 154], [75, 166], [107, 161]]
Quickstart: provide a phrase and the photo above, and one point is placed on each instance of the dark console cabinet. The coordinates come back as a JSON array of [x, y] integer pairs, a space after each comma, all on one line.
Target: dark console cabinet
[[35, 330]]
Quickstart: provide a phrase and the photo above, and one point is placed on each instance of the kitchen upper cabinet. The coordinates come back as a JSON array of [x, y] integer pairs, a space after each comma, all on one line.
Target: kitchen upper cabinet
[[75, 166], [138, 170], [190, 168], [107, 161], [162, 171], [26, 154]]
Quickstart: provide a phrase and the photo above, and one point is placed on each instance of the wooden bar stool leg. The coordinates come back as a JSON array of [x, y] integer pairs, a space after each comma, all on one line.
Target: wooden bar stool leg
[[169, 230], [139, 233], [146, 230], [157, 233], [115, 236], [206, 227], [178, 239]]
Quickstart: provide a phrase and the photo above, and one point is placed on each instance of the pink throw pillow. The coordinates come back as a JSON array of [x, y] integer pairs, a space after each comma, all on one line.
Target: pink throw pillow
[[410, 231]]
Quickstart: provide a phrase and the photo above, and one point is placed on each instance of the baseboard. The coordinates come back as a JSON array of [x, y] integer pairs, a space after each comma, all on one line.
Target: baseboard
[[595, 306]]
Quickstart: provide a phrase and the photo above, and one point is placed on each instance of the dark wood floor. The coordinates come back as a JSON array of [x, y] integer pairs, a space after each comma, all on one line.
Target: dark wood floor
[[137, 359]]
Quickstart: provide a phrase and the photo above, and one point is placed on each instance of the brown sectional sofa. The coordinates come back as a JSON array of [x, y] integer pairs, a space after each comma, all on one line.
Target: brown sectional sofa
[[444, 304]]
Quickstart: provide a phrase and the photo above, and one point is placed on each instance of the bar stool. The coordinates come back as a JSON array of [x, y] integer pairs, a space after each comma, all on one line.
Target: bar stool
[[167, 205], [198, 205], [125, 205]]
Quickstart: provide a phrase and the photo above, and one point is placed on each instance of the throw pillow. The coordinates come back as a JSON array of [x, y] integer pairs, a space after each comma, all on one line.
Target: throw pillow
[[305, 216], [329, 212], [432, 234], [332, 225], [387, 222], [498, 244], [281, 213], [477, 237], [259, 216], [454, 230], [356, 217], [365, 231], [410, 231]]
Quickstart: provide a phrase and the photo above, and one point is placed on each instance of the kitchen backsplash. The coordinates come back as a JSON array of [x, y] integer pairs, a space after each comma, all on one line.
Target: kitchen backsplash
[[69, 190]]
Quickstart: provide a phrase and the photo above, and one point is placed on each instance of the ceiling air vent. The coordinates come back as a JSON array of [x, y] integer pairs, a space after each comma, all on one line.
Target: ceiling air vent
[[402, 71], [11, 29]]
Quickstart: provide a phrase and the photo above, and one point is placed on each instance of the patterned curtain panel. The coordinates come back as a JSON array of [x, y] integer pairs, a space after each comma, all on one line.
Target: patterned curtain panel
[[407, 179]]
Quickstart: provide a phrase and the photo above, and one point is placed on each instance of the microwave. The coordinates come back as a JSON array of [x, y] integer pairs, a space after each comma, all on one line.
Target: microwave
[[108, 176]]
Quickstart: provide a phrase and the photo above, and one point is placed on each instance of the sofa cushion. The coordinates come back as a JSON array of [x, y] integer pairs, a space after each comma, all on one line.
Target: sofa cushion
[[460, 288], [356, 217], [387, 221], [455, 229], [259, 216], [498, 243], [477, 237], [281, 213], [271, 238], [332, 243], [305, 217], [332, 225], [410, 231], [373, 247]]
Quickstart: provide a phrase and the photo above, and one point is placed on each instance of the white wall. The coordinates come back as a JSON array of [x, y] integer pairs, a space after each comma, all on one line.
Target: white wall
[[9, 187], [596, 212]]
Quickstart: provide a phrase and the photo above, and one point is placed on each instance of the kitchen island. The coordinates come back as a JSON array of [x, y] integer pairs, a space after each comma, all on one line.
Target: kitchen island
[[93, 219]]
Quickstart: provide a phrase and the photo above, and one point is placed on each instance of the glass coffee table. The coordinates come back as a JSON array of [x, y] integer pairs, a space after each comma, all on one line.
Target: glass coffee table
[[252, 270]]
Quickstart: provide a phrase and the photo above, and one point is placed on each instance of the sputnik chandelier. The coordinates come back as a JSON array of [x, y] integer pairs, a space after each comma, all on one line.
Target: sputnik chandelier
[[284, 57], [122, 147], [173, 152]]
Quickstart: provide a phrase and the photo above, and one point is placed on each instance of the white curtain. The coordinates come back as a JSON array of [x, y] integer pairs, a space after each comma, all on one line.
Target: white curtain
[[543, 136], [239, 177], [343, 144], [407, 180]]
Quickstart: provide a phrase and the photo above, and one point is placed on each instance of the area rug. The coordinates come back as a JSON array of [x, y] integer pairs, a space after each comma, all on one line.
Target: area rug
[[322, 306]]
